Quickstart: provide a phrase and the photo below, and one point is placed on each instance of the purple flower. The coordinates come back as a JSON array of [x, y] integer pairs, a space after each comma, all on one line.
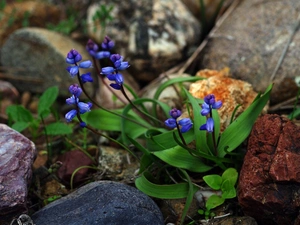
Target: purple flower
[[208, 126], [115, 57], [82, 124], [175, 113], [171, 123], [75, 90], [91, 47], [70, 115], [86, 78], [107, 43], [73, 57]]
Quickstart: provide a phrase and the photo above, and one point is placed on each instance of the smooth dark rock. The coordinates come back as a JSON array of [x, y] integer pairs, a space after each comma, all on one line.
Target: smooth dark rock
[[101, 203], [17, 154], [38, 57], [269, 183]]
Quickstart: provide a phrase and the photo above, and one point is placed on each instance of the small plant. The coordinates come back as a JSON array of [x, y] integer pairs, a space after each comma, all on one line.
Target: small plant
[[225, 184], [103, 16], [22, 119], [174, 148]]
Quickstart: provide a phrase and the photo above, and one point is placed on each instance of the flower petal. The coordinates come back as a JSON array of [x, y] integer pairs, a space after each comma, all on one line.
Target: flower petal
[[171, 123], [70, 115]]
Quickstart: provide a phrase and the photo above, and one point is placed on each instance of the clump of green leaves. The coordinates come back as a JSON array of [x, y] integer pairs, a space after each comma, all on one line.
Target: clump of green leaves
[[22, 119], [103, 16], [225, 183]]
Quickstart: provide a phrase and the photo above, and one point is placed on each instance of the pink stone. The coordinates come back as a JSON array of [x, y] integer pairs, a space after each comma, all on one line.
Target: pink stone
[[17, 154]]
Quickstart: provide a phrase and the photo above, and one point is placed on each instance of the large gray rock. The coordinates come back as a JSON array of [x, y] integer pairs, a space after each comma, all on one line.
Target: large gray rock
[[101, 202], [153, 35], [251, 41], [17, 154], [38, 57]]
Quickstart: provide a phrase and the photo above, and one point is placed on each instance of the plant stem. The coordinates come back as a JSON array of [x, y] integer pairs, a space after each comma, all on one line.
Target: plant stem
[[180, 134]]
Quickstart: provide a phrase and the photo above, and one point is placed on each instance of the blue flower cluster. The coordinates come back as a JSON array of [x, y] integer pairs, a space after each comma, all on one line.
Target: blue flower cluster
[[185, 123], [74, 58], [207, 107], [111, 72]]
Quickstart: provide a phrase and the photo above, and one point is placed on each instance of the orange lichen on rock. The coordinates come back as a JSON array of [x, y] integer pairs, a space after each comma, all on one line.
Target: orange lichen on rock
[[230, 91]]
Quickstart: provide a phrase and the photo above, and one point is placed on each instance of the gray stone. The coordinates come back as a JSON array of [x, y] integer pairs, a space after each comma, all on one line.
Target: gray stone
[[17, 154], [250, 42], [38, 57], [101, 202], [153, 35]]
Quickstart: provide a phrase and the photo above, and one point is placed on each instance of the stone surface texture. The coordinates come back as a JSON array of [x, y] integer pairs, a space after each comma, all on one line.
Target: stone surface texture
[[17, 154], [38, 57], [34, 13], [251, 41], [269, 183], [102, 202], [231, 92], [153, 35]]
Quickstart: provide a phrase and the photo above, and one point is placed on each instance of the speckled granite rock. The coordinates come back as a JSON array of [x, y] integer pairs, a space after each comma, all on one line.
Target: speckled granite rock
[[153, 35], [269, 182], [17, 154], [38, 57], [231, 92], [102, 202], [251, 41]]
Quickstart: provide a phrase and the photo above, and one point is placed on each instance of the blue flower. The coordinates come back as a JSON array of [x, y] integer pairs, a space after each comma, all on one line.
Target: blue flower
[[171, 123], [102, 55], [107, 70], [208, 126], [186, 124], [86, 77], [84, 107], [205, 109], [70, 115]]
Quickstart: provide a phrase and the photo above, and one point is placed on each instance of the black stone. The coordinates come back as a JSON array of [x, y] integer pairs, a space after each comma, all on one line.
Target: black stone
[[101, 202]]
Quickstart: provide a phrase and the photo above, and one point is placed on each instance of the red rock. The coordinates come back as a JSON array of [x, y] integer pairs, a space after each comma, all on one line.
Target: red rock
[[70, 162], [269, 183]]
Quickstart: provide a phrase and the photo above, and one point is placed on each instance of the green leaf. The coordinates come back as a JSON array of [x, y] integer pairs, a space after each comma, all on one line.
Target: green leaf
[[19, 114], [104, 120], [58, 128], [200, 135], [214, 201], [240, 128], [181, 158], [214, 181], [20, 126], [228, 191], [47, 99], [231, 175], [171, 191]]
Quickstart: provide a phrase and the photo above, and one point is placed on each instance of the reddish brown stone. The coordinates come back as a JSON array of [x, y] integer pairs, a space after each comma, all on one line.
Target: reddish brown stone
[[70, 162], [269, 183]]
